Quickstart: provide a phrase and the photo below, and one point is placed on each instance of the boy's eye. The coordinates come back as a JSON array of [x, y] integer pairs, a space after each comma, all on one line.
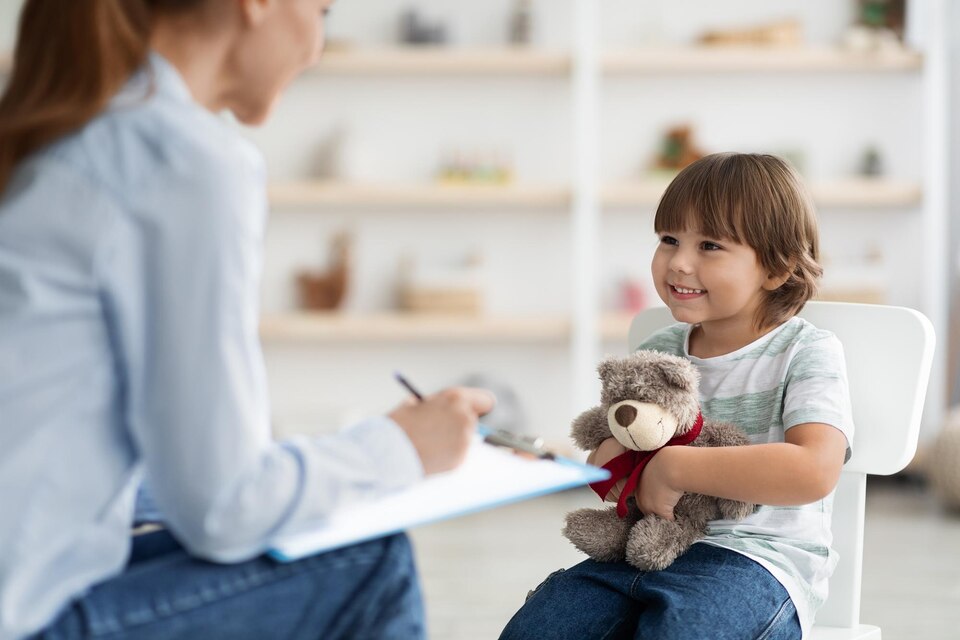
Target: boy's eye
[[710, 246], [668, 240]]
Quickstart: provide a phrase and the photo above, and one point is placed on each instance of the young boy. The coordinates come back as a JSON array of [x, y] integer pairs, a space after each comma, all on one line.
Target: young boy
[[736, 261]]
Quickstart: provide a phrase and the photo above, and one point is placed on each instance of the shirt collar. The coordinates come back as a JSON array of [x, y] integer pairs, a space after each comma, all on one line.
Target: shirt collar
[[168, 80]]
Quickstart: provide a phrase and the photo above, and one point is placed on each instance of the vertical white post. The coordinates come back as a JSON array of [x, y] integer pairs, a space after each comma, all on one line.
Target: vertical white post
[[936, 267], [585, 224]]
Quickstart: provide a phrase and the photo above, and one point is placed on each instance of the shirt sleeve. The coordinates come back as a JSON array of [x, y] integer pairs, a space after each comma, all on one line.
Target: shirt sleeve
[[817, 390], [180, 275]]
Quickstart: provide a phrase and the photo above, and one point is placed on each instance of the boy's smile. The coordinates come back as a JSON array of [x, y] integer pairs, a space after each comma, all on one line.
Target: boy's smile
[[686, 293]]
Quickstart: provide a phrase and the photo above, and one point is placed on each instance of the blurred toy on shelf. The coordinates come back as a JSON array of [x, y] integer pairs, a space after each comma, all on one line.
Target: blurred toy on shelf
[[862, 39], [796, 156], [633, 295], [521, 23], [871, 162], [475, 168], [784, 33], [329, 154], [325, 290], [884, 14], [677, 150], [416, 30], [879, 27], [442, 288], [855, 279]]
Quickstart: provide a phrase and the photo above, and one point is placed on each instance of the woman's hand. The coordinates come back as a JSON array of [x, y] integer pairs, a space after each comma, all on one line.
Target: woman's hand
[[442, 426], [607, 451], [656, 494]]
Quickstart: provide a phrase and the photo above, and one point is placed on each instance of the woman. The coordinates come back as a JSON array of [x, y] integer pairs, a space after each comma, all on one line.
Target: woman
[[130, 227]]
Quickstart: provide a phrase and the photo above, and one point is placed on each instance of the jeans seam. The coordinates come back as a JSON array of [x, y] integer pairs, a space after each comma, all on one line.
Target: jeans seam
[[776, 619], [608, 633]]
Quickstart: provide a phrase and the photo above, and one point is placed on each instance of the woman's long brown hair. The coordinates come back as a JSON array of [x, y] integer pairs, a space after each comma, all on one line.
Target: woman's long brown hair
[[71, 57]]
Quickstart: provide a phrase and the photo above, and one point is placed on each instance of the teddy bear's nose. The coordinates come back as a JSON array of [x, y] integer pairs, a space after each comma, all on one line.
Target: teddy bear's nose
[[625, 415]]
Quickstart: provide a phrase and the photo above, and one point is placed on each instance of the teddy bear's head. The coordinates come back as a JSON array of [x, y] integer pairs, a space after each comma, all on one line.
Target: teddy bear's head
[[649, 398]]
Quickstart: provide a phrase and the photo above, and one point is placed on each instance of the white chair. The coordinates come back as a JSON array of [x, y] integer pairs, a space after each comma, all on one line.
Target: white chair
[[889, 352]]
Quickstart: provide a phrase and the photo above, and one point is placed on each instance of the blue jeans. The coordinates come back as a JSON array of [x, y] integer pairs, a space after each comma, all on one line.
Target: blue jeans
[[369, 590], [707, 593]]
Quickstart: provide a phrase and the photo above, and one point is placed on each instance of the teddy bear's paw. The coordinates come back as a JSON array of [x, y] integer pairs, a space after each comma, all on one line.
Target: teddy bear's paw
[[734, 509], [599, 533]]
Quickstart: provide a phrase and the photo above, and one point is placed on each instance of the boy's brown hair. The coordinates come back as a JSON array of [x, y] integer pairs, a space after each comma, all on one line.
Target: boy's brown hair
[[757, 200]]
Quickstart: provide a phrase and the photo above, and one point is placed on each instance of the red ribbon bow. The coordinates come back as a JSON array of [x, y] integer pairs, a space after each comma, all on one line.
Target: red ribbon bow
[[631, 464]]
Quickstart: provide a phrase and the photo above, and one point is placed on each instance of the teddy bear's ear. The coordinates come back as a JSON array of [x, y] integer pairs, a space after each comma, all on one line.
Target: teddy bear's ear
[[606, 368], [679, 373]]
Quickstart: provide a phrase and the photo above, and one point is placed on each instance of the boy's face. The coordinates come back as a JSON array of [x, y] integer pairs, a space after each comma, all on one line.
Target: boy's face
[[709, 281]]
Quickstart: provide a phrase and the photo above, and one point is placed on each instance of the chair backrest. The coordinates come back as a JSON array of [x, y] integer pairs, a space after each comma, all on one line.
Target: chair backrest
[[889, 353]]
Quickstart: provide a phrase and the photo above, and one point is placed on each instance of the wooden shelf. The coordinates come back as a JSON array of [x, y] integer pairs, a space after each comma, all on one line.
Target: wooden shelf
[[853, 193], [444, 60], [750, 59], [334, 194], [410, 327], [506, 61]]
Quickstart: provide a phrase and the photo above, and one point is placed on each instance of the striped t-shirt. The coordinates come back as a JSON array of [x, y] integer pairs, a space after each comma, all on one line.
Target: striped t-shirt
[[793, 375]]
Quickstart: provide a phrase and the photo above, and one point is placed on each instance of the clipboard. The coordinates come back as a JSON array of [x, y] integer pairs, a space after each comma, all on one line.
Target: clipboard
[[488, 478]]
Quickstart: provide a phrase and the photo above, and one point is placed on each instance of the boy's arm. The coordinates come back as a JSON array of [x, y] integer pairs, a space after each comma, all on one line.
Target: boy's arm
[[801, 470]]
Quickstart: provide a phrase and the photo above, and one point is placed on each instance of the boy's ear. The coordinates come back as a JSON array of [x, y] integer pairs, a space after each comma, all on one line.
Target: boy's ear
[[774, 282]]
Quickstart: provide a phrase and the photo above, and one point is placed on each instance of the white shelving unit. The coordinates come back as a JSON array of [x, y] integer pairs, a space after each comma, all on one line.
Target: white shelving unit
[[593, 196], [595, 86]]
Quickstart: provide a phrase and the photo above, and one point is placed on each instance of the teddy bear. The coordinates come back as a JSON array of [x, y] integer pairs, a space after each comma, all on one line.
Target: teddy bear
[[648, 400]]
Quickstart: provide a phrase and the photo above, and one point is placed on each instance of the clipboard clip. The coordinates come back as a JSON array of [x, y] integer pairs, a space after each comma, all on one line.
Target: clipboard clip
[[518, 442]]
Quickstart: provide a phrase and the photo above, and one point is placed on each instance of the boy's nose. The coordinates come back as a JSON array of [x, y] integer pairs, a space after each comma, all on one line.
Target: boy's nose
[[680, 264]]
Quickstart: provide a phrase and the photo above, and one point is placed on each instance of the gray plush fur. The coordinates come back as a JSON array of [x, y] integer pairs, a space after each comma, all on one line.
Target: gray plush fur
[[650, 542]]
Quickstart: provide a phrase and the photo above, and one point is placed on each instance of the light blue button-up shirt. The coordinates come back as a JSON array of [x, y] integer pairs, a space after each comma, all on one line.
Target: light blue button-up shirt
[[129, 266]]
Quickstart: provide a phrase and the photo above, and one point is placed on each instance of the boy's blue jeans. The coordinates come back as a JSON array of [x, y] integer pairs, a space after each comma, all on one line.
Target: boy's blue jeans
[[708, 593], [369, 590]]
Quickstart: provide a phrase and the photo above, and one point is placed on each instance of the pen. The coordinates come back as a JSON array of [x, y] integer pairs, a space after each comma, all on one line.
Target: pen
[[496, 437], [409, 387]]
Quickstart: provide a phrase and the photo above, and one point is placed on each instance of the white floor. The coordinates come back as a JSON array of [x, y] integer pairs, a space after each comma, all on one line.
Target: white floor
[[477, 570]]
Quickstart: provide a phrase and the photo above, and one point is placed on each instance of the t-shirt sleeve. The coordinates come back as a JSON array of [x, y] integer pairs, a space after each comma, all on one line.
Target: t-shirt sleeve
[[817, 390]]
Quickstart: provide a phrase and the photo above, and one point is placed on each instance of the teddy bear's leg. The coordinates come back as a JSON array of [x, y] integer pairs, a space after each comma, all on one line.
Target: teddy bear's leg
[[599, 533], [654, 543]]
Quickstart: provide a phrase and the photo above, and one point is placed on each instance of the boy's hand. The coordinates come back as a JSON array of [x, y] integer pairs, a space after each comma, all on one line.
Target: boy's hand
[[607, 451], [656, 494]]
